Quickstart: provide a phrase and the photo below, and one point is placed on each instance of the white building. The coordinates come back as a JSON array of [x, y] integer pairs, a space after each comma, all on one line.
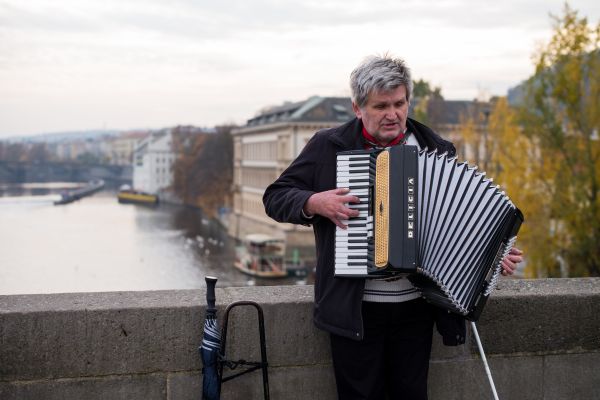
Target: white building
[[153, 160]]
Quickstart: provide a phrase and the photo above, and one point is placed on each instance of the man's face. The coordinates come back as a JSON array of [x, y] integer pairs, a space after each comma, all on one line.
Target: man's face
[[384, 115]]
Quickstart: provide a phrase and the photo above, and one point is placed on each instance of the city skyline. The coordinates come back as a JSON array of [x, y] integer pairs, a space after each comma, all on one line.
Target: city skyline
[[80, 65]]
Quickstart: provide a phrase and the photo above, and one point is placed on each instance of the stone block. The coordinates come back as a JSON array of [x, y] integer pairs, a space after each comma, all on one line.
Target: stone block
[[147, 387], [184, 386], [290, 383], [549, 315], [291, 337], [89, 340], [515, 378], [572, 376]]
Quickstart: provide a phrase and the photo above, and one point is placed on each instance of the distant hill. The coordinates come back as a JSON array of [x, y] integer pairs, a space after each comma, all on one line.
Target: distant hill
[[54, 137]]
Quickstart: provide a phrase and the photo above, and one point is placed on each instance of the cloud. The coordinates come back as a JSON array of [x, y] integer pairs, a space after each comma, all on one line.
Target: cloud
[[251, 53]]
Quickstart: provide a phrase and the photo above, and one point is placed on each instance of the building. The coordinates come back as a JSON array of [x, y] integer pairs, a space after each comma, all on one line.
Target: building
[[122, 147], [269, 142], [155, 155], [153, 159], [448, 118], [263, 148]]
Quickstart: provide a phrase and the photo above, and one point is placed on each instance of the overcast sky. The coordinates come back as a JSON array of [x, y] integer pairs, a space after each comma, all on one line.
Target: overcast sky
[[124, 64]]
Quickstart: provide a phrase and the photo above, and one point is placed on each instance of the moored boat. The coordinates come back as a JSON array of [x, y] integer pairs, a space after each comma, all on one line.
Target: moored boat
[[127, 195], [261, 256], [88, 189]]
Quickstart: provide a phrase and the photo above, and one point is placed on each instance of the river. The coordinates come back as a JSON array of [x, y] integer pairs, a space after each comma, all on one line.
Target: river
[[97, 245]]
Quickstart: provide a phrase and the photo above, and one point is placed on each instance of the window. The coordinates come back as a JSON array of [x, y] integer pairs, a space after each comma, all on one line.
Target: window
[[260, 151], [258, 178]]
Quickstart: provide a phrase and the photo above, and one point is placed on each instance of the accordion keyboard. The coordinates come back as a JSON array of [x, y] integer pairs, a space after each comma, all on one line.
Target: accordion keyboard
[[351, 244]]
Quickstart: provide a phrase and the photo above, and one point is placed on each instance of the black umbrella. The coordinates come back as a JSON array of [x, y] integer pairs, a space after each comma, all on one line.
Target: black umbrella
[[211, 342]]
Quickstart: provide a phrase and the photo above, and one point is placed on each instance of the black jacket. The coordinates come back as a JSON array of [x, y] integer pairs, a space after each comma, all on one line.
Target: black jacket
[[338, 301]]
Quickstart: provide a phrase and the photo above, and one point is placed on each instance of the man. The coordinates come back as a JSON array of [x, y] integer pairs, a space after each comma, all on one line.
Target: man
[[381, 330]]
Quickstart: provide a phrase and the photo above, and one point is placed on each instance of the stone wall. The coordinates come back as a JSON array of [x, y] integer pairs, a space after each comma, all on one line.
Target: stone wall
[[542, 339]]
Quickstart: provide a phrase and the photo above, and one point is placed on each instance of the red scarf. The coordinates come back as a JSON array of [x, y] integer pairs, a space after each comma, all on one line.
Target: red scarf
[[372, 142]]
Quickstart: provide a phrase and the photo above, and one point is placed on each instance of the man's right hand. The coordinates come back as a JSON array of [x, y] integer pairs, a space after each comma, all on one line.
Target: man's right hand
[[332, 204]]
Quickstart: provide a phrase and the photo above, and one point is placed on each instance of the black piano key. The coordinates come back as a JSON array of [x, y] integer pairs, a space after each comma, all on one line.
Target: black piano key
[[360, 187], [357, 234], [355, 241]]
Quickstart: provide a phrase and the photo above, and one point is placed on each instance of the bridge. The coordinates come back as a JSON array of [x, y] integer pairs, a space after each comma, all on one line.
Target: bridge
[[21, 172], [542, 340]]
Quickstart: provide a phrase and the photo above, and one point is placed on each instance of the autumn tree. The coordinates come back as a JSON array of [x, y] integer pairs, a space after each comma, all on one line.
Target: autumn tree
[[547, 152], [203, 171], [423, 94], [422, 88], [560, 114], [516, 165]]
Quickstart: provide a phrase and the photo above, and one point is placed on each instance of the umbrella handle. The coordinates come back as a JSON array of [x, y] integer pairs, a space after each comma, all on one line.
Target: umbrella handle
[[211, 282]]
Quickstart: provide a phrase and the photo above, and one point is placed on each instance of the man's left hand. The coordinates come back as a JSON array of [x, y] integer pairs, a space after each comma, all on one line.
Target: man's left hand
[[510, 262]]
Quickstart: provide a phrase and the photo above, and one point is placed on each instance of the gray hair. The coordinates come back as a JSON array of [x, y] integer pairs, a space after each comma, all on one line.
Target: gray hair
[[379, 73]]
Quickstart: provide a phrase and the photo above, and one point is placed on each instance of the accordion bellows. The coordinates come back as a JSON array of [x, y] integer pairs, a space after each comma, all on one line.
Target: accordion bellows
[[423, 213]]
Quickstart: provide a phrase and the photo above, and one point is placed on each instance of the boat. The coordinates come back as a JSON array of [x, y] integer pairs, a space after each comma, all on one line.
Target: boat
[[261, 256], [128, 195], [73, 195], [296, 267]]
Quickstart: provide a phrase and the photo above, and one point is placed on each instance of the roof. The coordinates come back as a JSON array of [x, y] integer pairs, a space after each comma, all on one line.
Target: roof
[[339, 109], [313, 109], [450, 112]]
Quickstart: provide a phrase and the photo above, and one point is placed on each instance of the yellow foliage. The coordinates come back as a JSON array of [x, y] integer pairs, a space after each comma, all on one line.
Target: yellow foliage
[[560, 151], [522, 173]]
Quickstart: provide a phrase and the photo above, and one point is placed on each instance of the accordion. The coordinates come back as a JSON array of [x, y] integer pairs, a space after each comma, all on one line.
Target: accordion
[[424, 214]]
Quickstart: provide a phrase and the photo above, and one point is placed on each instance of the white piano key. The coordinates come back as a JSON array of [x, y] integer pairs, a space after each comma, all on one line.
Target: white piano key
[[353, 156], [345, 239], [351, 271], [359, 192], [345, 266], [340, 250], [344, 232], [341, 238], [352, 167], [353, 178]]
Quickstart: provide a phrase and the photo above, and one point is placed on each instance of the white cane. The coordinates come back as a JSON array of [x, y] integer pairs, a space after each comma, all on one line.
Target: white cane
[[485, 363]]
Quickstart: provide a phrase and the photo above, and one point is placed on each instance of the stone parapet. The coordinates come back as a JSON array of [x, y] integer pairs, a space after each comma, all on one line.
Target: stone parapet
[[542, 339]]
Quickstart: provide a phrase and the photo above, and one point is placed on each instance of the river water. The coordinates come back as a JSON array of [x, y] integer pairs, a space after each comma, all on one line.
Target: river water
[[97, 244]]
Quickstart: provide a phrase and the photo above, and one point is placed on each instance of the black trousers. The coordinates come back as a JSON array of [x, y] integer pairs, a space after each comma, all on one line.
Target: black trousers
[[392, 361]]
